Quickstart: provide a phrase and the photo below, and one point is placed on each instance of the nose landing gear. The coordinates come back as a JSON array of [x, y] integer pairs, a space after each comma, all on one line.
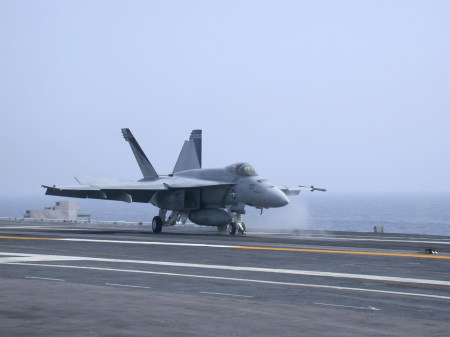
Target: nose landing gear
[[237, 225], [240, 227]]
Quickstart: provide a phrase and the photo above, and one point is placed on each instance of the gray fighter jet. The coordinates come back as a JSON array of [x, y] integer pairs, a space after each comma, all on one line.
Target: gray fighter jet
[[209, 197]]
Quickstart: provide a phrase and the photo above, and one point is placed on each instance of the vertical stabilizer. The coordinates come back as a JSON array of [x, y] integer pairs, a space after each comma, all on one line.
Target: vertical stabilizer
[[196, 137], [190, 157], [144, 164]]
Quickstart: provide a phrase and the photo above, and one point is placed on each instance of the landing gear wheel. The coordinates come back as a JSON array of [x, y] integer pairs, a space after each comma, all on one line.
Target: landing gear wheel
[[232, 228], [222, 229], [157, 224]]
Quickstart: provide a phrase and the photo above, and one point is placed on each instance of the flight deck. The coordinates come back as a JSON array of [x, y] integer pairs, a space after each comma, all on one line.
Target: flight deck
[[113, 280]]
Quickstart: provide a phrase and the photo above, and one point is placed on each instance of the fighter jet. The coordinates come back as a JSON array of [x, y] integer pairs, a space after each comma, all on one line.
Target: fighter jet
[[209, 197]]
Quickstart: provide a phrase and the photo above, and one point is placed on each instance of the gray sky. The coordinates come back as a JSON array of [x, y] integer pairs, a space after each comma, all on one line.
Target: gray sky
[[349, 95]]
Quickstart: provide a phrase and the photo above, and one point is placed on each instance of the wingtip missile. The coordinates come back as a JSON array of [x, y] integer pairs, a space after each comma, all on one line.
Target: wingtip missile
[[317, 189], [312, 188]]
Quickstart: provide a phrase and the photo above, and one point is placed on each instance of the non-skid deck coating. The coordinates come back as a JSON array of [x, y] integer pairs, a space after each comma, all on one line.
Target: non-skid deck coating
[[112, 280]]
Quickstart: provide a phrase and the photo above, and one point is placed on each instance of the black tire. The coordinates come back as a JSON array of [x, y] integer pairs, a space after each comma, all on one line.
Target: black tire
[[157, 224], [232, 228]]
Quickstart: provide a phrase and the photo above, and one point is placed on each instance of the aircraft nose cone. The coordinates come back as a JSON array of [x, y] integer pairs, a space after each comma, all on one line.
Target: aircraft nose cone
[[284, 200], [279, 199]]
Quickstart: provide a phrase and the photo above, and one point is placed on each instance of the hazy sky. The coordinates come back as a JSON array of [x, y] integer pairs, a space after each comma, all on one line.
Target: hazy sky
[[349, 95]]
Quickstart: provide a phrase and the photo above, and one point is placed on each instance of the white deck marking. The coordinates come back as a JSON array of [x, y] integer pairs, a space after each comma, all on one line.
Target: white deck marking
[[156, 243], [222, 294], [20, 257], [46, 258], [241, 280], [230, 246], [126, 285], [46, 227], [348, 306], [66, 229], [44, 278], [24, 227]]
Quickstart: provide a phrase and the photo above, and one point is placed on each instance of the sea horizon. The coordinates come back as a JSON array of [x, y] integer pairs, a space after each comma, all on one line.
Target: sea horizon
[[414, 213]]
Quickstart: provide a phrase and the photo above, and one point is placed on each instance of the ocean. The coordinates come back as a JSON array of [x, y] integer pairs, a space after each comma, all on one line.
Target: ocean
[[397, 213]]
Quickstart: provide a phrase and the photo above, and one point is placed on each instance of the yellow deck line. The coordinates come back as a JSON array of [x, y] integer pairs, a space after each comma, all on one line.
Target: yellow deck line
[[24, 238], [329, 251], [343, 252]]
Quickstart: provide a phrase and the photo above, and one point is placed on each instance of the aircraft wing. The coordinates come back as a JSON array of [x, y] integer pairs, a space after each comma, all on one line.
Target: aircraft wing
[[296, 190], [175, 183], [141, 191]]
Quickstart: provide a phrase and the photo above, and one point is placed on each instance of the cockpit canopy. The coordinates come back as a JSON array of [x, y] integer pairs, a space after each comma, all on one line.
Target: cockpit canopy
[[242, 170], [246, 170]]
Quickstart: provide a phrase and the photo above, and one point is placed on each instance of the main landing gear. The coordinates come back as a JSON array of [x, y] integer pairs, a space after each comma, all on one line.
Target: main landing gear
[[157, 224], [175, 217], [158, 221]]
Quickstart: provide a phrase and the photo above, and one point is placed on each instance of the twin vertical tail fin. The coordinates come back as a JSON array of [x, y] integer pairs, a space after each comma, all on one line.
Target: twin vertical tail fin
[[144, 164], [190, 157], [196, 138]]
